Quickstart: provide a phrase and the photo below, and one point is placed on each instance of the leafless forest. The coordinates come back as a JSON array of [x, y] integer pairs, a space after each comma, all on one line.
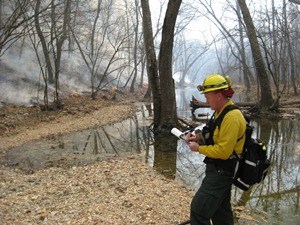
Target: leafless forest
[[57, 46]]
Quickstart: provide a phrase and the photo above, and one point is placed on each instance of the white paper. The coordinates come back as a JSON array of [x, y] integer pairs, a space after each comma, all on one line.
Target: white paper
[[177, 133]]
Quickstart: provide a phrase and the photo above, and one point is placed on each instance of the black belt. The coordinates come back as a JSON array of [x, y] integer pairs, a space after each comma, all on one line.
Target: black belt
[[227, 164]]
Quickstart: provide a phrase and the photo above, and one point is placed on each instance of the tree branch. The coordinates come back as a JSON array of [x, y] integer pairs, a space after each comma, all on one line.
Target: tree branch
[[295, 1]]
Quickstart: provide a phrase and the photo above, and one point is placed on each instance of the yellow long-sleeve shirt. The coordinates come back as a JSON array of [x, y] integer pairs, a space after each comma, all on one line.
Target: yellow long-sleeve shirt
[[229, 137]]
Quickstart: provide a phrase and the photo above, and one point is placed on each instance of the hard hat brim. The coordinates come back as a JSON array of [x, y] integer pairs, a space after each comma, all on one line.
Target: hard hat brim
[[209, 88]]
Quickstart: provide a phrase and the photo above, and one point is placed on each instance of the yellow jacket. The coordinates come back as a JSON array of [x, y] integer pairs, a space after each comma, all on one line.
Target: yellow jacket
[[229, 138]]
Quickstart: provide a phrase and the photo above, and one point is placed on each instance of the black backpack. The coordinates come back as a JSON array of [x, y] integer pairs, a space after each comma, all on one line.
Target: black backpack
[[253, 164]]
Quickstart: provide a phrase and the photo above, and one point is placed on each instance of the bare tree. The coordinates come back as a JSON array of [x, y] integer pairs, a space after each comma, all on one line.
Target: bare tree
[[277, 33], [295, 1], [266, 99], [14, 20], [168, 100], [43, 41], [246, 70], [186, 56], [152, 68], [52, 44], [268, 34], [35, 43], [100, 36], [290, 50], [237, 47], [137, 39], [133, 29]]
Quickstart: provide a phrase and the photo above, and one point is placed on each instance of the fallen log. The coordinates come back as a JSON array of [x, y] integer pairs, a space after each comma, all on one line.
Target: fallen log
[[288, 103], [195, 104]]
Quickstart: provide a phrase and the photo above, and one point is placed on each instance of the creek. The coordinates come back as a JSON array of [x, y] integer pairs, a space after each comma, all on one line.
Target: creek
[[277, 197], [274, 201]]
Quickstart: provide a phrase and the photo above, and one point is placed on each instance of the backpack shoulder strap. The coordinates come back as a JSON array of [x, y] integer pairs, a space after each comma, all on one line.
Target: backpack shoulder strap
[[228, 108]]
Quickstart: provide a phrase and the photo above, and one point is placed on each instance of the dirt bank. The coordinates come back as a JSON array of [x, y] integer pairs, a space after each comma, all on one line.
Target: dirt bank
[[20, 124]]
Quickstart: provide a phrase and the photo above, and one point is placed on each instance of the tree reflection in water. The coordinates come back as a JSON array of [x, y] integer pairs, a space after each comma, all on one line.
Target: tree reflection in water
[[278, 195]]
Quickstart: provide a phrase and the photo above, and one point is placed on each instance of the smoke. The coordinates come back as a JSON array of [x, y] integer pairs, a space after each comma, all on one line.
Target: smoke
[[21, 81]]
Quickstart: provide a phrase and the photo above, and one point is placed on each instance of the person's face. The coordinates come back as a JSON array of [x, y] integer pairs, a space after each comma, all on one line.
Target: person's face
[[212, 98]]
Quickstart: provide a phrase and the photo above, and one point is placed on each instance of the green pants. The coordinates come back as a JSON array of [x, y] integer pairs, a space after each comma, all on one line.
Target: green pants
[[212, 200]]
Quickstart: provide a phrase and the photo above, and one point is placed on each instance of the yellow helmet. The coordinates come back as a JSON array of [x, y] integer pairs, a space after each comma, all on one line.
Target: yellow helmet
[[214, 82]]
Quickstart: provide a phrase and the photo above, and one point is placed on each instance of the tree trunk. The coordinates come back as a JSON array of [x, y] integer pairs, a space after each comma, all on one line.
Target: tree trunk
[[290, 51], [152, 68], [275, 49], [59, 48], [266, 99], [195, 104], [168, 100], [245, 68], [136, 40], [43, 42], [295, 1]]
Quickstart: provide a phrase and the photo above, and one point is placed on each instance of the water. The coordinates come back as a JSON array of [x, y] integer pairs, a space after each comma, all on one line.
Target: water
[[84, 147], [276, 198], [278, 194]]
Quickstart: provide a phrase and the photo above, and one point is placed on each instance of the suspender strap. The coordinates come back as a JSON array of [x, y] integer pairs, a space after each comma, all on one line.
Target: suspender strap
[[228, 164]]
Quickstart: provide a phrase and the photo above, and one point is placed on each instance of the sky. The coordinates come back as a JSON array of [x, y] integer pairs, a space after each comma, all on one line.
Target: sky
[[200, 26], [196, 28]]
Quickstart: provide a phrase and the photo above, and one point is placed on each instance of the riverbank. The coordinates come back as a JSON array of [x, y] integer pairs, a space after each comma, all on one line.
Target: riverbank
[[116, 191], [113, 191]]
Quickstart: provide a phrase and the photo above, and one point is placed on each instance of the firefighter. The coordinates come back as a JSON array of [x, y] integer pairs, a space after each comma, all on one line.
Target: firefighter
[[212, 201]]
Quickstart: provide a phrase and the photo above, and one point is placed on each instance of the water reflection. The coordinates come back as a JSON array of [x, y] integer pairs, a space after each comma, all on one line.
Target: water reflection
[[165, 155], [129, 137], [278, 195]]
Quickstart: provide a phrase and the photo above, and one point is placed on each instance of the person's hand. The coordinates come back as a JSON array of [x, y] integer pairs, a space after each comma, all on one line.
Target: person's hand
[[191, 140], [200, 139], [190, 137], [194, 146]]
